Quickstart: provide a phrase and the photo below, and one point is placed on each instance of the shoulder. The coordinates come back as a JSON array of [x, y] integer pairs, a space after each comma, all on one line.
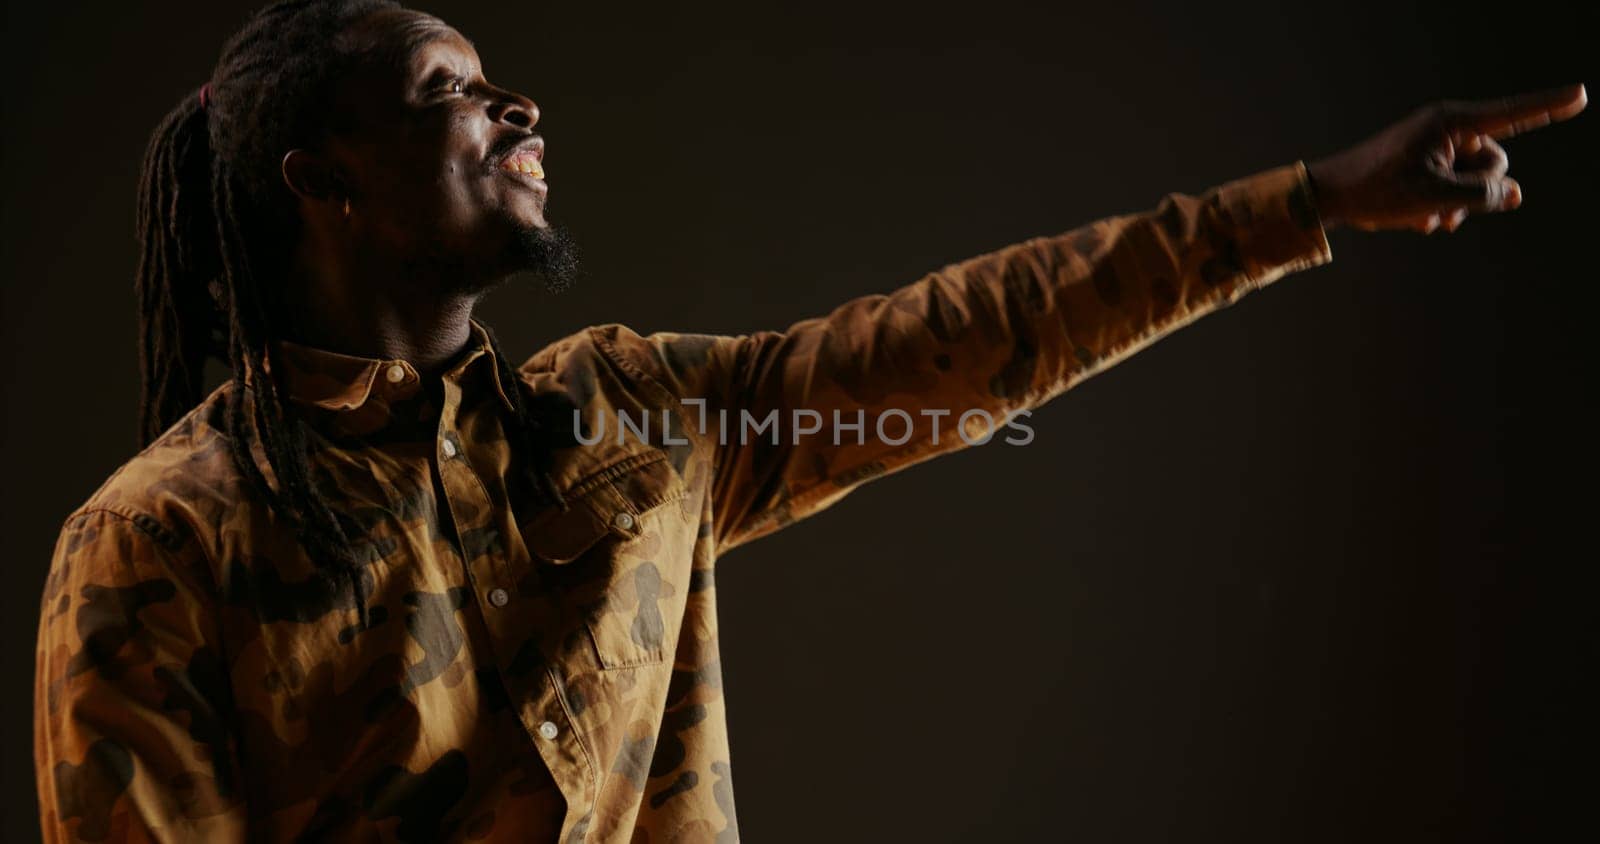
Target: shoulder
[[150, 530], [676, 363], [618, 393], [179, 488]]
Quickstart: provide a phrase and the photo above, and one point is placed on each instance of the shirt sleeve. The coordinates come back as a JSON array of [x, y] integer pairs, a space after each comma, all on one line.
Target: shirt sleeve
[[944, 361], [131, 693]]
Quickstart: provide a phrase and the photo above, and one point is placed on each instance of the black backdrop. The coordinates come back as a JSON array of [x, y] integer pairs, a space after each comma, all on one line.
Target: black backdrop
[[1312, 569]]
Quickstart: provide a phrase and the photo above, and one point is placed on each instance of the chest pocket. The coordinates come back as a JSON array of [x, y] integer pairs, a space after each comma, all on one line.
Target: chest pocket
[[615, 555]]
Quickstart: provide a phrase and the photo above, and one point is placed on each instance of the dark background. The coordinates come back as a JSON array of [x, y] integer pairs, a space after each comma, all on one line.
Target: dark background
[[1313, 569]]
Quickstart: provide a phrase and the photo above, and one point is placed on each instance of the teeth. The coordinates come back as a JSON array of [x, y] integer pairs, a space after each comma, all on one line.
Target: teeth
[[526, 164]]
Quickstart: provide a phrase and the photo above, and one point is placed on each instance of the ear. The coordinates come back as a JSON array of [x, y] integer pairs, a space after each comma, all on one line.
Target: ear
[[311, 176]]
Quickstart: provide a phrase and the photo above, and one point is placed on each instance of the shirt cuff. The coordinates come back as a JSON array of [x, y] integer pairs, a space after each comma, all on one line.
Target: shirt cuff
[[1275, 216]]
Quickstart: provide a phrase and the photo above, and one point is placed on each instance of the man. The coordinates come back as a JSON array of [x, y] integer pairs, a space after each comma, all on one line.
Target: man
[[385, 584]]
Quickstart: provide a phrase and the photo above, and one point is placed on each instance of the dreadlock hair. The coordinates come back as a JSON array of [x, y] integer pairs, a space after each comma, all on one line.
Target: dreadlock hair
[[214, 221]]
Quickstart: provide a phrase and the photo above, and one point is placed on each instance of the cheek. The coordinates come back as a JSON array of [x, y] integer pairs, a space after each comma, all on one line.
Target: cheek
[[447, 198], [452, 194], [469, 196]]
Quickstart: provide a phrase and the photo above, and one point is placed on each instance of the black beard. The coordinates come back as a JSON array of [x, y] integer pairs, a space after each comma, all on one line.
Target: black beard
[[547, 252]]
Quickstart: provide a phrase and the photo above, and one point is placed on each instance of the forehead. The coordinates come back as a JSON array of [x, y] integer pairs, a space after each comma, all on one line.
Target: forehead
[[403, 43], [390, 54]]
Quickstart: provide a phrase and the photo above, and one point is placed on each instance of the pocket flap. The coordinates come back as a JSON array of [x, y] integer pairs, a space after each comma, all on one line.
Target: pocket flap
[[558, 537], [608, 502]]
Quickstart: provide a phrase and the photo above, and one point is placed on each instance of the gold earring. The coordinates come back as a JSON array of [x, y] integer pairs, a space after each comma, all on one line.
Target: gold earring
[[347, 207]]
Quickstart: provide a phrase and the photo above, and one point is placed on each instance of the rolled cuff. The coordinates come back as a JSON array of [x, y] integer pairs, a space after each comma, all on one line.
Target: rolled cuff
[[1279, 228]]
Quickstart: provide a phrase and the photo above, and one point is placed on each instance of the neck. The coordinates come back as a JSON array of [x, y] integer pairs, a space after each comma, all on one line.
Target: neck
[[389, 314]]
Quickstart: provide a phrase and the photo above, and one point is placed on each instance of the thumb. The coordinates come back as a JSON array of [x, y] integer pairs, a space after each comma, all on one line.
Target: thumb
[[1479, 192]]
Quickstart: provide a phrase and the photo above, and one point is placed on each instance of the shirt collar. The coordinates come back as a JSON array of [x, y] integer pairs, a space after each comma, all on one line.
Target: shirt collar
[[355, 386]]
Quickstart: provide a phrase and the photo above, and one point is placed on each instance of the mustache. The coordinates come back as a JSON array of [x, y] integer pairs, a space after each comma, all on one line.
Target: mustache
[[507, 145]]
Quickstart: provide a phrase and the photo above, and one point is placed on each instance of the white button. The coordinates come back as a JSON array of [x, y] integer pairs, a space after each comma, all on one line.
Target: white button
[[548, 729], [623, 520], [449, 448], [499, 597], [397, 373]]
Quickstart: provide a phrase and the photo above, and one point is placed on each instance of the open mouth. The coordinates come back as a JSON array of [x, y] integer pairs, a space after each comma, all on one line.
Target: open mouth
[[524, 161]]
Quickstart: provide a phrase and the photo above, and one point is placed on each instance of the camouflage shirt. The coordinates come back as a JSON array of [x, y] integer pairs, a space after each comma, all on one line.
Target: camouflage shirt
[[523, 672]]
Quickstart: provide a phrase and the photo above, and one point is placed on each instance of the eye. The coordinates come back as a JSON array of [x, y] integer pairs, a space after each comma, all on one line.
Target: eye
[[457, 85]]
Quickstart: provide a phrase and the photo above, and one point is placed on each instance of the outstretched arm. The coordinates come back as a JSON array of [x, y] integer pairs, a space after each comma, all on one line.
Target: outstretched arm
[[994, 336]]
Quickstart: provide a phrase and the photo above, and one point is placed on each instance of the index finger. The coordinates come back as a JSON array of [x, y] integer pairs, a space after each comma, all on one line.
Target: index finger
[[1507, 116]]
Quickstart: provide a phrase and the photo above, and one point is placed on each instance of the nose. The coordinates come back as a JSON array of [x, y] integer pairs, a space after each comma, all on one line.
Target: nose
[[515, 109]]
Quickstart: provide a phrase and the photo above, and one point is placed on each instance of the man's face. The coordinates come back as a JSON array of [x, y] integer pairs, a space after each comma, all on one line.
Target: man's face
[[444, 170]]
